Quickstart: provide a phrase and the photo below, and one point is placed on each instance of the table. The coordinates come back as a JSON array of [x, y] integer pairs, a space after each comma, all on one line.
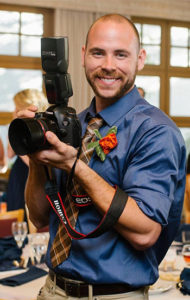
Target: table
[[28, 291], [171, 261], [172, 294]]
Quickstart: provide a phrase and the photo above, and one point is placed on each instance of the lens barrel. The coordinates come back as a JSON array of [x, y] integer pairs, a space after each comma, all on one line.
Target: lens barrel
[[27, 135]]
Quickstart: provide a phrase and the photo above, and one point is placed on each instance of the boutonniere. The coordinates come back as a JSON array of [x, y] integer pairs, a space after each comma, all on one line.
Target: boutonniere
[[104, 144]]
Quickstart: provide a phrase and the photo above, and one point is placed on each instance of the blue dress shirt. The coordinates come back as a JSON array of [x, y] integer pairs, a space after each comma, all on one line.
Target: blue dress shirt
[[149, 164]]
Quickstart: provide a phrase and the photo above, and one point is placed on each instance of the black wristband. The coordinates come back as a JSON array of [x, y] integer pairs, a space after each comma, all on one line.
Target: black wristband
[[114, 212]]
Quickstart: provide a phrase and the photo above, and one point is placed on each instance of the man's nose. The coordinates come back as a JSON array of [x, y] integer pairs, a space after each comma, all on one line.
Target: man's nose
[[108, 63]]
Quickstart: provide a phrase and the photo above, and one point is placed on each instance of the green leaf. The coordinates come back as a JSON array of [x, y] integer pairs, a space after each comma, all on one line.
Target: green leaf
[[98, 135], [98, 150], [113, 129], [100, 153], [93, 145], [102, 156]]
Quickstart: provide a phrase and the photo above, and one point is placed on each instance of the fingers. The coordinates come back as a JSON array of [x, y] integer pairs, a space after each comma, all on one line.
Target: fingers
[[27, 113], [46, 155], [63, 149], [54, 141], [59, 155]]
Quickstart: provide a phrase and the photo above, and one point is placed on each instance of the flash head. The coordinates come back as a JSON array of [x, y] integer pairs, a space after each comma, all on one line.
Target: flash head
[[55, 54], [55, 60]]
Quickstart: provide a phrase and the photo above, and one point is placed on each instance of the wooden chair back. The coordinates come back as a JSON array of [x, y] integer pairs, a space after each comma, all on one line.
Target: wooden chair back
[[5, 227], [13, 214]]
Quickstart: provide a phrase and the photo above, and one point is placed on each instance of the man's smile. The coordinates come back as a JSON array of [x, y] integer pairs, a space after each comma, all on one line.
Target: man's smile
[[107, 81]]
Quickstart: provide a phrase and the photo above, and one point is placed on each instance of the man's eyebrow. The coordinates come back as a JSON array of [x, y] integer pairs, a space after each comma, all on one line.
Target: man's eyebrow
[[121, 51], [96, 49]]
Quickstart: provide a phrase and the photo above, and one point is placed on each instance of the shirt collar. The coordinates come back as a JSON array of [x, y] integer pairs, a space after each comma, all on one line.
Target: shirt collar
[[115, 111]]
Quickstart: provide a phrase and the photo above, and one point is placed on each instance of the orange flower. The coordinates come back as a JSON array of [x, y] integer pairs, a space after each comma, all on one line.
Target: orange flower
[[108, 142]]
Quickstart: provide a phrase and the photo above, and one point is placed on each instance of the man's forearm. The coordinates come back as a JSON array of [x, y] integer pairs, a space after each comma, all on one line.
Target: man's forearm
[[133, 224], [36, 201]]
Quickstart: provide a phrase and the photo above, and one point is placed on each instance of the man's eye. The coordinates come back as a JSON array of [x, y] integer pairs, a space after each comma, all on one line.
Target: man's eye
[[121, 55], [97, 53]]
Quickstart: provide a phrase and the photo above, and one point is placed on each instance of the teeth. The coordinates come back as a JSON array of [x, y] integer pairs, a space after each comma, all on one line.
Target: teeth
[[108, 79]]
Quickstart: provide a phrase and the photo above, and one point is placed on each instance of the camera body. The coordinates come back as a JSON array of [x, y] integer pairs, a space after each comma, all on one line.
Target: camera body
[[28, 135]]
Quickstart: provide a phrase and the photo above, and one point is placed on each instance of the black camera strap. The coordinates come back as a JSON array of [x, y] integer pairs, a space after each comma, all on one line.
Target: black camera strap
[[108, 221]]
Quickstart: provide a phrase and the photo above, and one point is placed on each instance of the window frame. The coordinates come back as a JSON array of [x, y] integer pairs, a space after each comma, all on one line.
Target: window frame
[[164, 70], [25, 62], [183, 72]]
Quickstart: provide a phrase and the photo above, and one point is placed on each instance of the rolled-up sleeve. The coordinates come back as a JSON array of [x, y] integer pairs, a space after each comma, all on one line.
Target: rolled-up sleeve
[[153, 170]]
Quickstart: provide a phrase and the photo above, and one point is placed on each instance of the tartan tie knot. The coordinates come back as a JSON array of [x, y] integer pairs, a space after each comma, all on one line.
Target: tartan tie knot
[[94, 123]]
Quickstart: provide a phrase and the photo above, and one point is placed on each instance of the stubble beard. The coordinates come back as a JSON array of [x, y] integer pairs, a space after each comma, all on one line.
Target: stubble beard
[[123, 90]]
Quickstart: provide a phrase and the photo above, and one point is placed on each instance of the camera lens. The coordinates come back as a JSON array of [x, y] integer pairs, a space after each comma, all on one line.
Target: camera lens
[[27, 135]]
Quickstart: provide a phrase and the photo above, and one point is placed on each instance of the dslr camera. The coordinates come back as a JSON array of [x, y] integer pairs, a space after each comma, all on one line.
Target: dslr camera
[[27, 135]]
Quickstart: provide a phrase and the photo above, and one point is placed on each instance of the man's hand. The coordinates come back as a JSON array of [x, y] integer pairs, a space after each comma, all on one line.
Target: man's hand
[[28, 112], [59, 155]]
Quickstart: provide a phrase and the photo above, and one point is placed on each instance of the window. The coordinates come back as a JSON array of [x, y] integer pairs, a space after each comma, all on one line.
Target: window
[[179, 96], [14, 80], [151, 85], [150, 42], [20, 33], [150, 78], [21, 29], [166, 75], [180, 47]]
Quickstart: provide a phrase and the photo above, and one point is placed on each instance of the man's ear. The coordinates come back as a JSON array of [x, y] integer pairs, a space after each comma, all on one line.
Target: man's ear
[[83, 54], [141, 59]]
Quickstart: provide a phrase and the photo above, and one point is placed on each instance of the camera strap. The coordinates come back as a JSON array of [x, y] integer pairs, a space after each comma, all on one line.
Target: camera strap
[[109, 219]]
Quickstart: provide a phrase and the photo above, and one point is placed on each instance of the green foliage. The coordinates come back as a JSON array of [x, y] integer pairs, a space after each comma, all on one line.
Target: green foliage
[[100, 153], [95, 145]]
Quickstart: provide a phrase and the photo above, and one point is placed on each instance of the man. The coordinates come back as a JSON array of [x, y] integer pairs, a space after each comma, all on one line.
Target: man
[[147, 164]]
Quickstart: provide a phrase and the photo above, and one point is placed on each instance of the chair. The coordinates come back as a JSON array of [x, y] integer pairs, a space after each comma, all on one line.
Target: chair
[[6, 220], [5, 227], [13, 214]]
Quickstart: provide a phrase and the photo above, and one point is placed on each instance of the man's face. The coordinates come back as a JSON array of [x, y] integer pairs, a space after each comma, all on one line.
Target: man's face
[[111, 59]]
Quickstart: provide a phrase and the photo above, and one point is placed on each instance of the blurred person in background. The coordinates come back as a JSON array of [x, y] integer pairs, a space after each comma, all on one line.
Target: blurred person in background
[[14, 195], [141, 92]]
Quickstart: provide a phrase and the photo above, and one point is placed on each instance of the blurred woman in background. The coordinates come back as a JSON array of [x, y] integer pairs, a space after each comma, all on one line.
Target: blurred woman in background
[[14, 195]]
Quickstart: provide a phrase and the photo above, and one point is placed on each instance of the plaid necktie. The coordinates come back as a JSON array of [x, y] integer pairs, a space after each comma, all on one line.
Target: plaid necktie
[[62, 242]]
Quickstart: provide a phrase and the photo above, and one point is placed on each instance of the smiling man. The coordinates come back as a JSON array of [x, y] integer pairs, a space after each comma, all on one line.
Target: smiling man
[[111, 61], [136, 172]]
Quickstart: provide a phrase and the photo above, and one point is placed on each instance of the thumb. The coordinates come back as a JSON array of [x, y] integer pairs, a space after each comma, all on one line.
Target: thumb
[[52, 138]]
